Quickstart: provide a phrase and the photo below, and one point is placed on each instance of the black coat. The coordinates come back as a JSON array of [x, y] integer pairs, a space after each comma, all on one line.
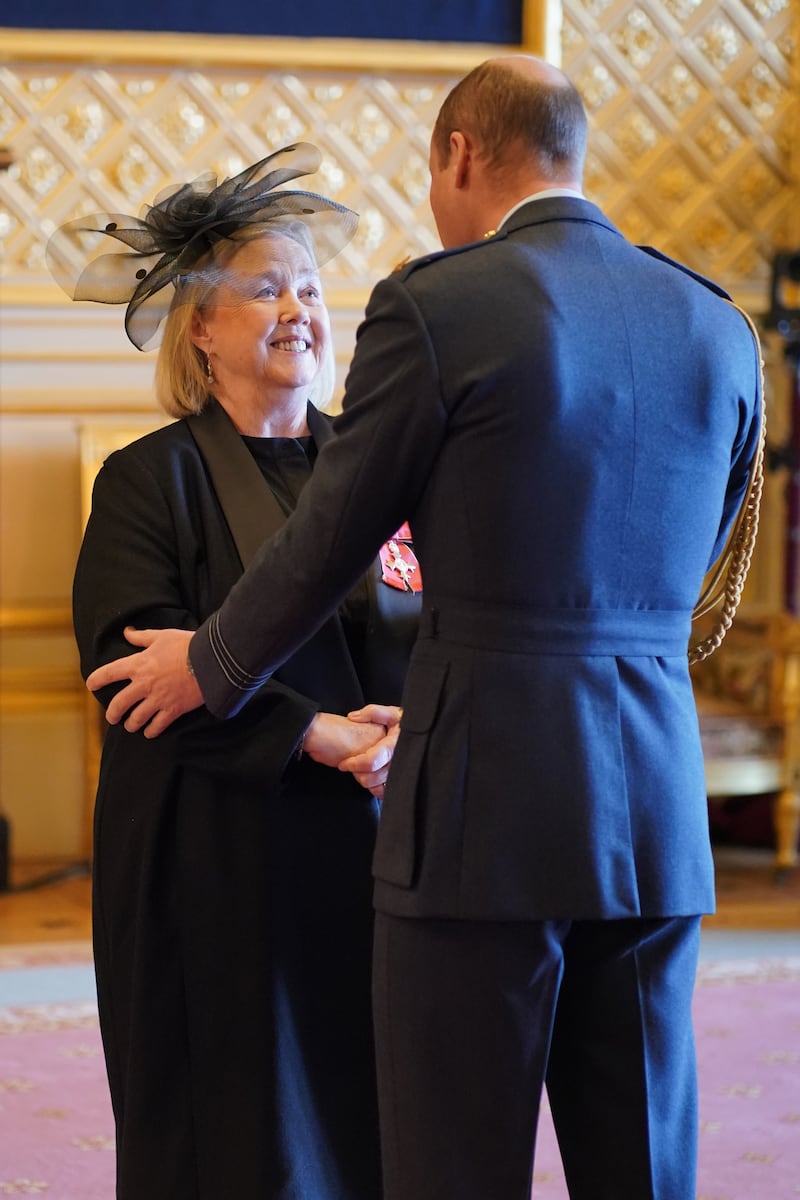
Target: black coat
[[232, 915]]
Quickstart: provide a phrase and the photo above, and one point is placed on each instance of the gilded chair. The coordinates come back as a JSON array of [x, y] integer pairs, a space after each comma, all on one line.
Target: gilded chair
[[748, 698]]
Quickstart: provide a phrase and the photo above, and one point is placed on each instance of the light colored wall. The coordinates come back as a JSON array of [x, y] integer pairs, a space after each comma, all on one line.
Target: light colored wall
[[694, 150]]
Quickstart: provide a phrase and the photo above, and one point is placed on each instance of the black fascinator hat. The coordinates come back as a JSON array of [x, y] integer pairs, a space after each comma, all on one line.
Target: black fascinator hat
[[181, 226]]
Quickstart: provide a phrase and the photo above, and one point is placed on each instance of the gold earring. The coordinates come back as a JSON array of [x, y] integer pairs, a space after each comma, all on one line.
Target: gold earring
[[209, 369]]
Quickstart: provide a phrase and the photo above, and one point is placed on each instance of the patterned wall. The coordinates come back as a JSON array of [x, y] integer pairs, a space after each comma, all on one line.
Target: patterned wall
[[87, 138], [695, 107], [694, 104]]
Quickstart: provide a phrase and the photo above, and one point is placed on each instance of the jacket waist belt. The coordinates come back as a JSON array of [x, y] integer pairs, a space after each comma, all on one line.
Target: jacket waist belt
[[622, 633]]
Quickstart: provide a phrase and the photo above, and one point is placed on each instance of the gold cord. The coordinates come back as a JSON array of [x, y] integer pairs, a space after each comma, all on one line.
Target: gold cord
[[730, 571]]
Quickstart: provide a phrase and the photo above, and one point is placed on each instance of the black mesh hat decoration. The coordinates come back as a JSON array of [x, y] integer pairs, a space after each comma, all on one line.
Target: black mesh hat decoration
[[153, 252]]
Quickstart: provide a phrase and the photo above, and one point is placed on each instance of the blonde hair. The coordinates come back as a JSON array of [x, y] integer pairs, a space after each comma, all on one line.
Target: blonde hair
[[181, 379]]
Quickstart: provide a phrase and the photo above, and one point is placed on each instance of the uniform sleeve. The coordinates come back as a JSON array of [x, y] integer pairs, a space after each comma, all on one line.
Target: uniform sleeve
[[366, 482], [743, 451], [132, 570]]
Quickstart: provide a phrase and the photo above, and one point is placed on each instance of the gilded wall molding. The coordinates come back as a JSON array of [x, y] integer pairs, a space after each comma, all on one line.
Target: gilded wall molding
[[23, 691], [36, 619], [72, 404], [214, 50]]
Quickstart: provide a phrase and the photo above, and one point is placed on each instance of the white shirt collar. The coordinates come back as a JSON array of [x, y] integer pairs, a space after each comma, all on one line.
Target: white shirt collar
[[545, 195]]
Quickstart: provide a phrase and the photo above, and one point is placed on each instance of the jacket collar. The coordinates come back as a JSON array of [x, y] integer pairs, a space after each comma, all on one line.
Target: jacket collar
[[541, 195], [555, 208]]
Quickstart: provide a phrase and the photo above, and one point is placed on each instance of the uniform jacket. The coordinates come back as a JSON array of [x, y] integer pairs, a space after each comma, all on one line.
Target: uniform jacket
[[567, 422]]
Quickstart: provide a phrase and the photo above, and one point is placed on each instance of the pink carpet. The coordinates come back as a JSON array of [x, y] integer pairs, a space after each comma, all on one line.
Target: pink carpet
[[56, 1129]]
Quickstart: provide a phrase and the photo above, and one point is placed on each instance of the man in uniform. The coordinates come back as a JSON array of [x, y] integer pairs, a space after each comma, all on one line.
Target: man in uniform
[[567, 422]]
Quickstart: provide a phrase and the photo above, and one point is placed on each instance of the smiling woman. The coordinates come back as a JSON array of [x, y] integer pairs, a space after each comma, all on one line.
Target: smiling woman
[[232, 887], [265, 327]]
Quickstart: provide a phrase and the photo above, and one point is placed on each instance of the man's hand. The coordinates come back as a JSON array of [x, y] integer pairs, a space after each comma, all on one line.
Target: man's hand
[[161, 686]]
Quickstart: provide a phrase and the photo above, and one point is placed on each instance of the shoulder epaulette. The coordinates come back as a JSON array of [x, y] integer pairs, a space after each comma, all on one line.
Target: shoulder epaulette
[[404, 269], [709, 283]]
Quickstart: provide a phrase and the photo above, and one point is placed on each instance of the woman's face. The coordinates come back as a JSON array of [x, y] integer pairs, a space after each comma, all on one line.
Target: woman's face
[[267, 324]]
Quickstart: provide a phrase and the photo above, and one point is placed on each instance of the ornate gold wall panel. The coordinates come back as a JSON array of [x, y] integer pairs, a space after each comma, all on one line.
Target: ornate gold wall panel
[[695, 109], [694, 106], [91, 136]]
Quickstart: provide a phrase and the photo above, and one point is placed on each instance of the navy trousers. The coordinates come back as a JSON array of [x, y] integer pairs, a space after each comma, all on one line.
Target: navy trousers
[[473, 1017]]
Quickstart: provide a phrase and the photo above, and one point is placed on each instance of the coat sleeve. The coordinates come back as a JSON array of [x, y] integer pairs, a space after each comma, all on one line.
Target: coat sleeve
[[366, 482], [134, 568], [743, 451]]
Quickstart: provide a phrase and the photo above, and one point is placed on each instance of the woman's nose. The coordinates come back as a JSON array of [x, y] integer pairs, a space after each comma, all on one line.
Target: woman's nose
[[293, 312]]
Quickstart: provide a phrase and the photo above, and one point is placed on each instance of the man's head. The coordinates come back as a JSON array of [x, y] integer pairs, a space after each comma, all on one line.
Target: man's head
[[512, 127]]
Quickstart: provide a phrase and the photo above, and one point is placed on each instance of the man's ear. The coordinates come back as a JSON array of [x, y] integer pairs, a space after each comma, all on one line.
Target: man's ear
[[460, 158]]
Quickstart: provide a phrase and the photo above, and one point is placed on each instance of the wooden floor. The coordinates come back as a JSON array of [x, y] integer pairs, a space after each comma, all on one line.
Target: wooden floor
[[747, 898], [56, 912]]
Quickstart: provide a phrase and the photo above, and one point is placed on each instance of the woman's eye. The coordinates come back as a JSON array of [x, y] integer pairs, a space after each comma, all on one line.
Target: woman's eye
[[310, 293], [267, 292]]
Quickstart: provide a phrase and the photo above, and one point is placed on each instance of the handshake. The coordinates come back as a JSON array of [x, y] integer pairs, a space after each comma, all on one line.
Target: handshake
[[362, 743]]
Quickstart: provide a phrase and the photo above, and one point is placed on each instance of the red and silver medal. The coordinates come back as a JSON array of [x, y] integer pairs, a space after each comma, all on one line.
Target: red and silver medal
[[399, 566]]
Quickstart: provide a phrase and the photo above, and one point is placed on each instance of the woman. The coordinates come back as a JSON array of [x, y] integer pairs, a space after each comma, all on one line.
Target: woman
[[232, 891]]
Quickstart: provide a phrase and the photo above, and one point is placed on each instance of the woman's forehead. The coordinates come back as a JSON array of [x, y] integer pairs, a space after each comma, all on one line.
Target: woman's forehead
[[274, 254]]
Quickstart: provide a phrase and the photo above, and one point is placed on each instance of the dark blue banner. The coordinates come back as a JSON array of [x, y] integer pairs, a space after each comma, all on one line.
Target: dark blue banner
[[493, 21]]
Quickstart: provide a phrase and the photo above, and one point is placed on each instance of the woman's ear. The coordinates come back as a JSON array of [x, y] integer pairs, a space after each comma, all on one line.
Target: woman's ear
[[199, 332]]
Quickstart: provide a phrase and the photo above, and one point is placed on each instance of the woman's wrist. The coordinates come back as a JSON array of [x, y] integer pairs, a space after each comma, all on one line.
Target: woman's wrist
[[301, 745]]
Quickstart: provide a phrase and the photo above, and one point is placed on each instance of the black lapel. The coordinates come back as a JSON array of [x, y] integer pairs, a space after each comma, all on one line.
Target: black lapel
[[253, 515], [252, 512], [320, 426]]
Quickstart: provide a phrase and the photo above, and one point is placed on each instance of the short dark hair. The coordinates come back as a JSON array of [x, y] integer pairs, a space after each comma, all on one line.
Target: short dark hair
[[505, 111]]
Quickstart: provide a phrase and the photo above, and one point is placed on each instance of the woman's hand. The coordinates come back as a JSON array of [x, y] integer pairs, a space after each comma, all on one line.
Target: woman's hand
[[330, 738], [371, 767]]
